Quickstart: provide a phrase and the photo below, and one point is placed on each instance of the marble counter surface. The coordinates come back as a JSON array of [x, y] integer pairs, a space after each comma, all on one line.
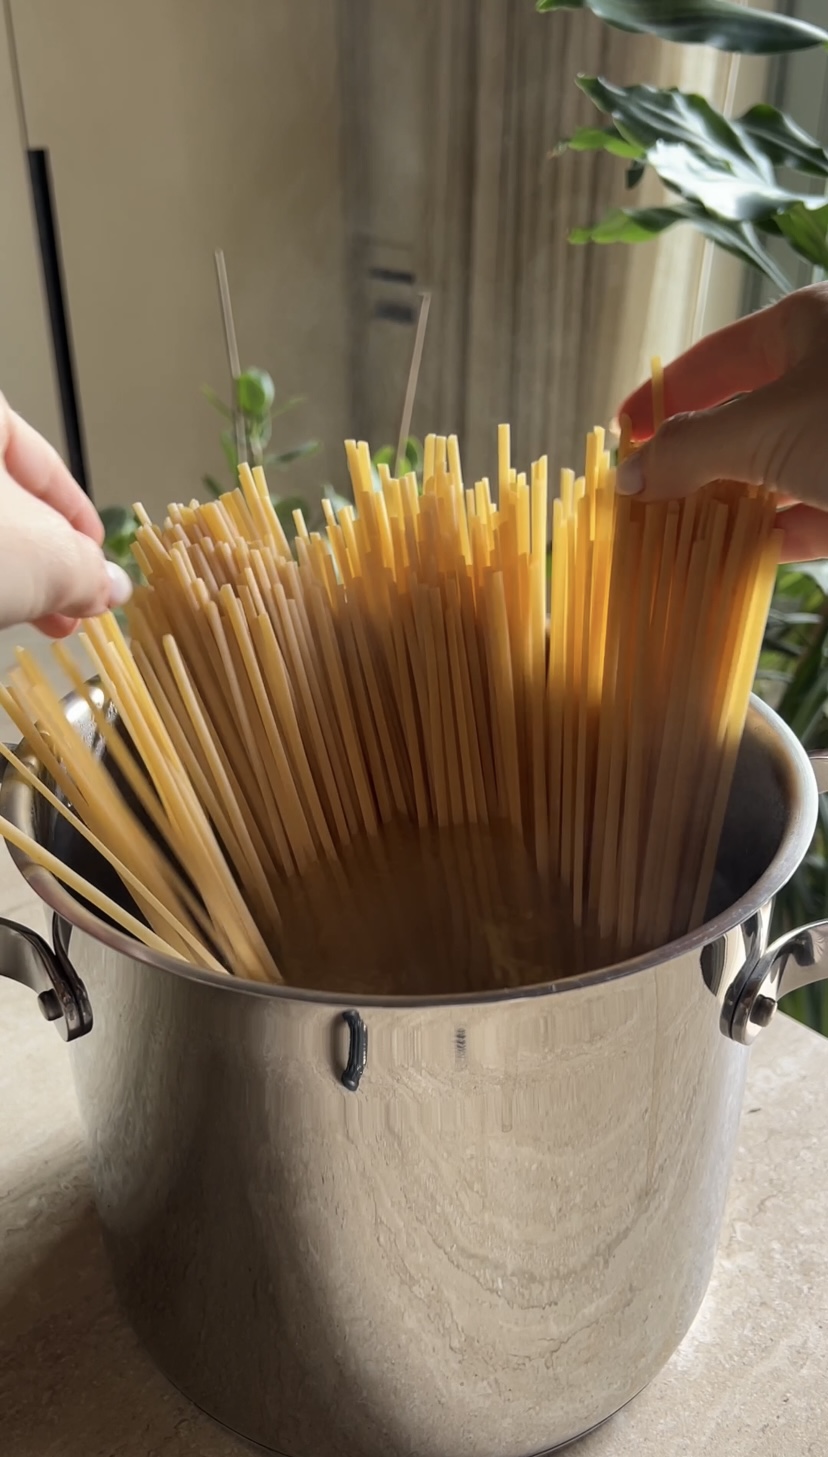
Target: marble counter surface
[[750, 1380]]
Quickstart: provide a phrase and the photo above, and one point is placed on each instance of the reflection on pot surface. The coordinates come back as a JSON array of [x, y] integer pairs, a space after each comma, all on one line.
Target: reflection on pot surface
[[466, 1225]]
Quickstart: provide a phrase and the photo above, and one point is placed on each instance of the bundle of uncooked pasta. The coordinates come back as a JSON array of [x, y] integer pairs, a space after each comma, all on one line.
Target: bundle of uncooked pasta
[[406, 736]]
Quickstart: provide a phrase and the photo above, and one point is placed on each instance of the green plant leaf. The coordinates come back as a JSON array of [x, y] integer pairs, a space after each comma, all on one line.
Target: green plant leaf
[[735, 194], [216, 402], [120, 525], [806, 229], [413, 454], [386, 455], [600, 139], [282, 459], [742, 240], [798, 582], [723, 168], [284, 506], [213, 486], [648, 115], [260, 432], [720, 23], [255, 393], [118, 521], [630, 225], [792, 619], [228, 445], [290, 404], [412, 458], [815, 572], [786, 144], [337, 501], [641, 225], [726, 164]]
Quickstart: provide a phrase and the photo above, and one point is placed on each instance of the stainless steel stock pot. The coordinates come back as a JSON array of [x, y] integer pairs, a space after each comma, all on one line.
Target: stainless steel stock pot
[[469, 1226]]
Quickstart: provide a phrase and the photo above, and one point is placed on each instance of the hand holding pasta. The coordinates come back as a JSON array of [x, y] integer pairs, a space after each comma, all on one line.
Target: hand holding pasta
[[748, 404], [52, 568]]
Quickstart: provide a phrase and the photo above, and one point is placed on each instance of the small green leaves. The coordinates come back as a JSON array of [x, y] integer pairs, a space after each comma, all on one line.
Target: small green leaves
[[337, 501], [284, 506], [411, 461], [641, 225], [256, 409], [120, 525], [386, 455], [601, 139], [630, 225], [255, 393], [284, 458]]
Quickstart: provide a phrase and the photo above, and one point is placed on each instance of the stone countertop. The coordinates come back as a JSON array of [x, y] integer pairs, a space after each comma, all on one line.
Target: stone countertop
[[750, 1380]]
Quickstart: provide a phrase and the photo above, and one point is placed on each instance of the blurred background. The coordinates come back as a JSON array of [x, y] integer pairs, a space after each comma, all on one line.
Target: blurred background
[[346, 155]]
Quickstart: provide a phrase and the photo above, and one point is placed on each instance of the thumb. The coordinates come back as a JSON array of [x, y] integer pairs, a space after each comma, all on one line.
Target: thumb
[[50, 574], [78, 581], [770, 437]]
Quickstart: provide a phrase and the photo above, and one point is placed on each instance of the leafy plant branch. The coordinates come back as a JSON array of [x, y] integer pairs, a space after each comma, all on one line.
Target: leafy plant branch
[[723, 170]]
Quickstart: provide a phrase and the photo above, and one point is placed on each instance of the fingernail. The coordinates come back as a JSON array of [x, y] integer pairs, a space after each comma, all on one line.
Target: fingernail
[[120, 585], [629, 478]]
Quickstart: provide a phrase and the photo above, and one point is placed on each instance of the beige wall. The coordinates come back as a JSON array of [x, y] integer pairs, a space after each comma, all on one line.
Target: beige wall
[[26, 375], [180, 125], [175, 128]]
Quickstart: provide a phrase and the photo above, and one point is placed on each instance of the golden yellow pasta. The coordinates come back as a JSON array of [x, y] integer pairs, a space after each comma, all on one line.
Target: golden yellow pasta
[[409, 730]]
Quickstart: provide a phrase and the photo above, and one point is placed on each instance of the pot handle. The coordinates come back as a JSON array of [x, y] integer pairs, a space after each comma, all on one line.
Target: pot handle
[[796, 960], [61, 995]]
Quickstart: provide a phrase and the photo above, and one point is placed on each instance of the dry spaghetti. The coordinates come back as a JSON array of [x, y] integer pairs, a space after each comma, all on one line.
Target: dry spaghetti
[[278, 710]]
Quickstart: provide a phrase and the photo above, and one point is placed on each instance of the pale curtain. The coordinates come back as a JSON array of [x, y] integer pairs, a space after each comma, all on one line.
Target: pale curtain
[[455, 110], [555, 333]]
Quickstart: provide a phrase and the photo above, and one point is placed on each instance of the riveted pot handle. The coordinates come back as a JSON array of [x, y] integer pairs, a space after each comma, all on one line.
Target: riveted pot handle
[[61, 995], [796, 960]]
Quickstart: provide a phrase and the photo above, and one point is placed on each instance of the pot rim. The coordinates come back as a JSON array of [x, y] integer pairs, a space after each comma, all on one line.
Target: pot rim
[[17, 803]]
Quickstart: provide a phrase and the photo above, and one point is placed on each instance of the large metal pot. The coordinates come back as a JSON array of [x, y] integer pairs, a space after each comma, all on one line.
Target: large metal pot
[[464, 1227]]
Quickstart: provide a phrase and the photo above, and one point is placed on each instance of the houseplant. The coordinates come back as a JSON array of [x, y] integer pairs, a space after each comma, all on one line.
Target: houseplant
[[256, 410]]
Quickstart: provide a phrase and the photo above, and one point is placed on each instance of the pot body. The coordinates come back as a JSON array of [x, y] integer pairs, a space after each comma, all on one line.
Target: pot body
[[486, 1251], [479, 1234]]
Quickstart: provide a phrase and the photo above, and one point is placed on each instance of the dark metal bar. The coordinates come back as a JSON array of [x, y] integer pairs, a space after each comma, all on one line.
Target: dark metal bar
[[40, 178]]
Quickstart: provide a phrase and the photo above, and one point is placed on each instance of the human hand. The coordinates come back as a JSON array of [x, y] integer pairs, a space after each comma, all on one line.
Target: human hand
[[52, 568], [753, 403]]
